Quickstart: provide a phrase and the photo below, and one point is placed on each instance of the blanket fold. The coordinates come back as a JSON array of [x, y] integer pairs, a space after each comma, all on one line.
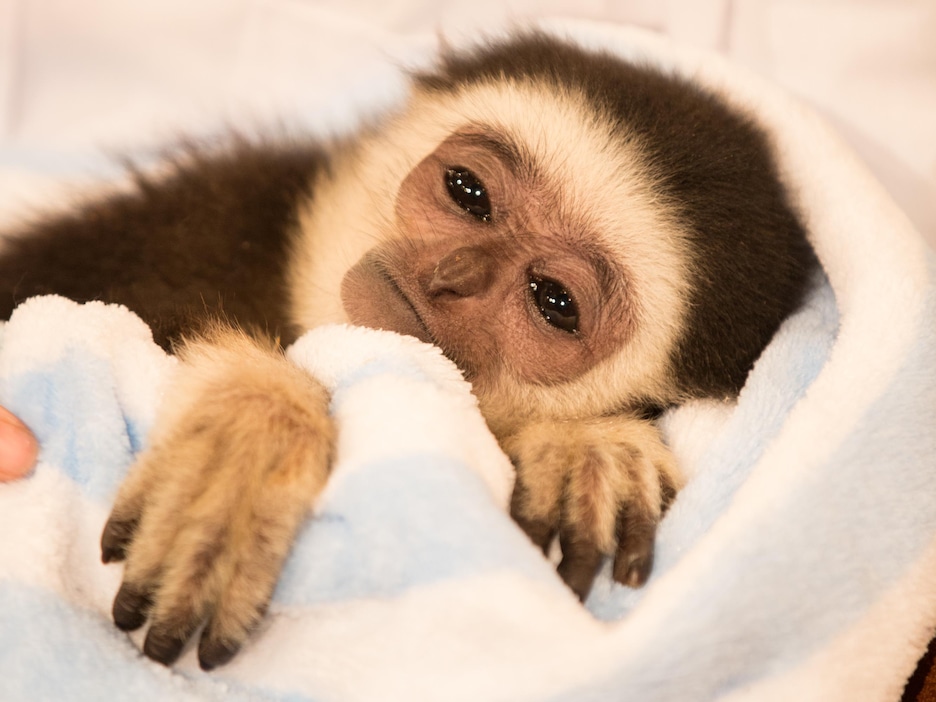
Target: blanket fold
[[798, 563]]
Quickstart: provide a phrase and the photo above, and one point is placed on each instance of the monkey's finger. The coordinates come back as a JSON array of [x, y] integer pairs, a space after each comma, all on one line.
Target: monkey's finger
[[231, 624], [243, 602], [116, 537], [246, 594], [190, 586], [128, 507], [142, 573], [166, 639], [131, 606], [581, 557], [214, 650], [154, 507], [636, 533], [129, 538], [541, 530], [265, 532], [145, 542], [668, 491]]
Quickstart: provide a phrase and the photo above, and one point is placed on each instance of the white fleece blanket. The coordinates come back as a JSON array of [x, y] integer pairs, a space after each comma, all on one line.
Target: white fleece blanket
[[798, 564]]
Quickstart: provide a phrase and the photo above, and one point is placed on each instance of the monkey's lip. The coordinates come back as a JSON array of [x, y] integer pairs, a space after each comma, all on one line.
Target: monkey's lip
[[404, 313], [372, 297]]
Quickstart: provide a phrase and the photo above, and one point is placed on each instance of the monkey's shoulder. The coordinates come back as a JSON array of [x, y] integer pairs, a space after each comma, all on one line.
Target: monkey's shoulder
[[206, 232]]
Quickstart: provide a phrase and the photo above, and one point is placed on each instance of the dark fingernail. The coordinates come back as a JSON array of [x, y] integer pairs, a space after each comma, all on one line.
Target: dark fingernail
[[579, 574], [162, 646], [633, 571], [109, 555], [541, 531], [214, 652], [636, 532], [115, 538], [580, 583], [131, 606], [668, 493], [581, 559]]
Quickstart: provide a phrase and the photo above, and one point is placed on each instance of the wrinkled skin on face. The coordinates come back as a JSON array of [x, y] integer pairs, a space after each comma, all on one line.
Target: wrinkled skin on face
[[486, 267]]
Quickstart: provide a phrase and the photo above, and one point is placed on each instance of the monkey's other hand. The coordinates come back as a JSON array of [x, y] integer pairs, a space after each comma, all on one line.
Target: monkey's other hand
[[602, 485], [206, 517]]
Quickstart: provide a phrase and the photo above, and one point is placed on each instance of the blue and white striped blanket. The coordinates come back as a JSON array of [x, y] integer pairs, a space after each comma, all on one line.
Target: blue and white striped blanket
[[798, 564]]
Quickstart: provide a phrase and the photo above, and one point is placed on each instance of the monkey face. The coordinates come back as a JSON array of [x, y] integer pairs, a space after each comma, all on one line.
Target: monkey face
[[506, 225], [484, 267]]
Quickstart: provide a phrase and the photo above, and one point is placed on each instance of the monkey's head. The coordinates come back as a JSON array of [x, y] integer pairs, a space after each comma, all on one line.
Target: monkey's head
[[579, 234]]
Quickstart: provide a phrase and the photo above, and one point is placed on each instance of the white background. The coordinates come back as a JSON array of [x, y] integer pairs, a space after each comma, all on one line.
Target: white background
[[80, 79]]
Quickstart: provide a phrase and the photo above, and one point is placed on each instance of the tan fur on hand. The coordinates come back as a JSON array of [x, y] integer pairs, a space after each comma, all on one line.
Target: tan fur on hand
[[601, 484], [209, 512]]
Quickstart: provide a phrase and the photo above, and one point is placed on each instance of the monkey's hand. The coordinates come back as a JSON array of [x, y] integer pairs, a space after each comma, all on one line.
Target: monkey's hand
[[602, 485], [207, 515]]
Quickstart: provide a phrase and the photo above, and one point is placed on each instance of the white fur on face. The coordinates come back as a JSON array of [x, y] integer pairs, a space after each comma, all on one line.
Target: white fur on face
[[603, 186]]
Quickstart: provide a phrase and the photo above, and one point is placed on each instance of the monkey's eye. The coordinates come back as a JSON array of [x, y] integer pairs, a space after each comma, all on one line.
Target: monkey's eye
[[555, 304], [468, 192]]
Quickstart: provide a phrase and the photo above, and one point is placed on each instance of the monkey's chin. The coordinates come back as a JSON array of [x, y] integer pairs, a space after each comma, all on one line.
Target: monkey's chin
[[371, 298]]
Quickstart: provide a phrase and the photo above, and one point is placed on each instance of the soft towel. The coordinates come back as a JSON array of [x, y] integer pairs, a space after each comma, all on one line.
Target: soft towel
[[798, 563]]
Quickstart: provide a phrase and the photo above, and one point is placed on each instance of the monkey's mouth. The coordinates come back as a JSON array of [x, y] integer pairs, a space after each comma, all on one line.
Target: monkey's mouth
[[404, 313], [372, 297]]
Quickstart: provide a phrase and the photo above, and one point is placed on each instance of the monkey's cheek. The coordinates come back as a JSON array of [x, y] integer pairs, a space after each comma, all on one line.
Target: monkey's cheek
[[372, 299]]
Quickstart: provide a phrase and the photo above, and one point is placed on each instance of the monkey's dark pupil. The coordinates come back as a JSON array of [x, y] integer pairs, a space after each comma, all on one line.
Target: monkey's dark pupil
[[555, 304], [468, 192]]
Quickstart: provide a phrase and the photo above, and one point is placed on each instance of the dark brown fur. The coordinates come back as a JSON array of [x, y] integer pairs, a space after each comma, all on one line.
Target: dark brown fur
[[210, 240]]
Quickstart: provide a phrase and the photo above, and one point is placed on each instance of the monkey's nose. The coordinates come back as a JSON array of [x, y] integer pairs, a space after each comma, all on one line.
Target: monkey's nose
[[464, 272]]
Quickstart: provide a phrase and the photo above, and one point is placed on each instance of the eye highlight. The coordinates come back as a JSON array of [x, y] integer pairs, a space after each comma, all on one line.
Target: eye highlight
[[468, 192], [555, 304]]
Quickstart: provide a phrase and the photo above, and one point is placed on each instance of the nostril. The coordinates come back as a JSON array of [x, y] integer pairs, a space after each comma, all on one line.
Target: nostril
[[464, 272]]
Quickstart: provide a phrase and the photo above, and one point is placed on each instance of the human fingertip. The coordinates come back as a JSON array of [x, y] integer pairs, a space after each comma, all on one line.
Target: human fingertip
[[18, 447]]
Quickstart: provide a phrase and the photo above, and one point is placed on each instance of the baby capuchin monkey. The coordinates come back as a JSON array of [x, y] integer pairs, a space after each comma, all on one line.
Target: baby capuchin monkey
[[589, 240]]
